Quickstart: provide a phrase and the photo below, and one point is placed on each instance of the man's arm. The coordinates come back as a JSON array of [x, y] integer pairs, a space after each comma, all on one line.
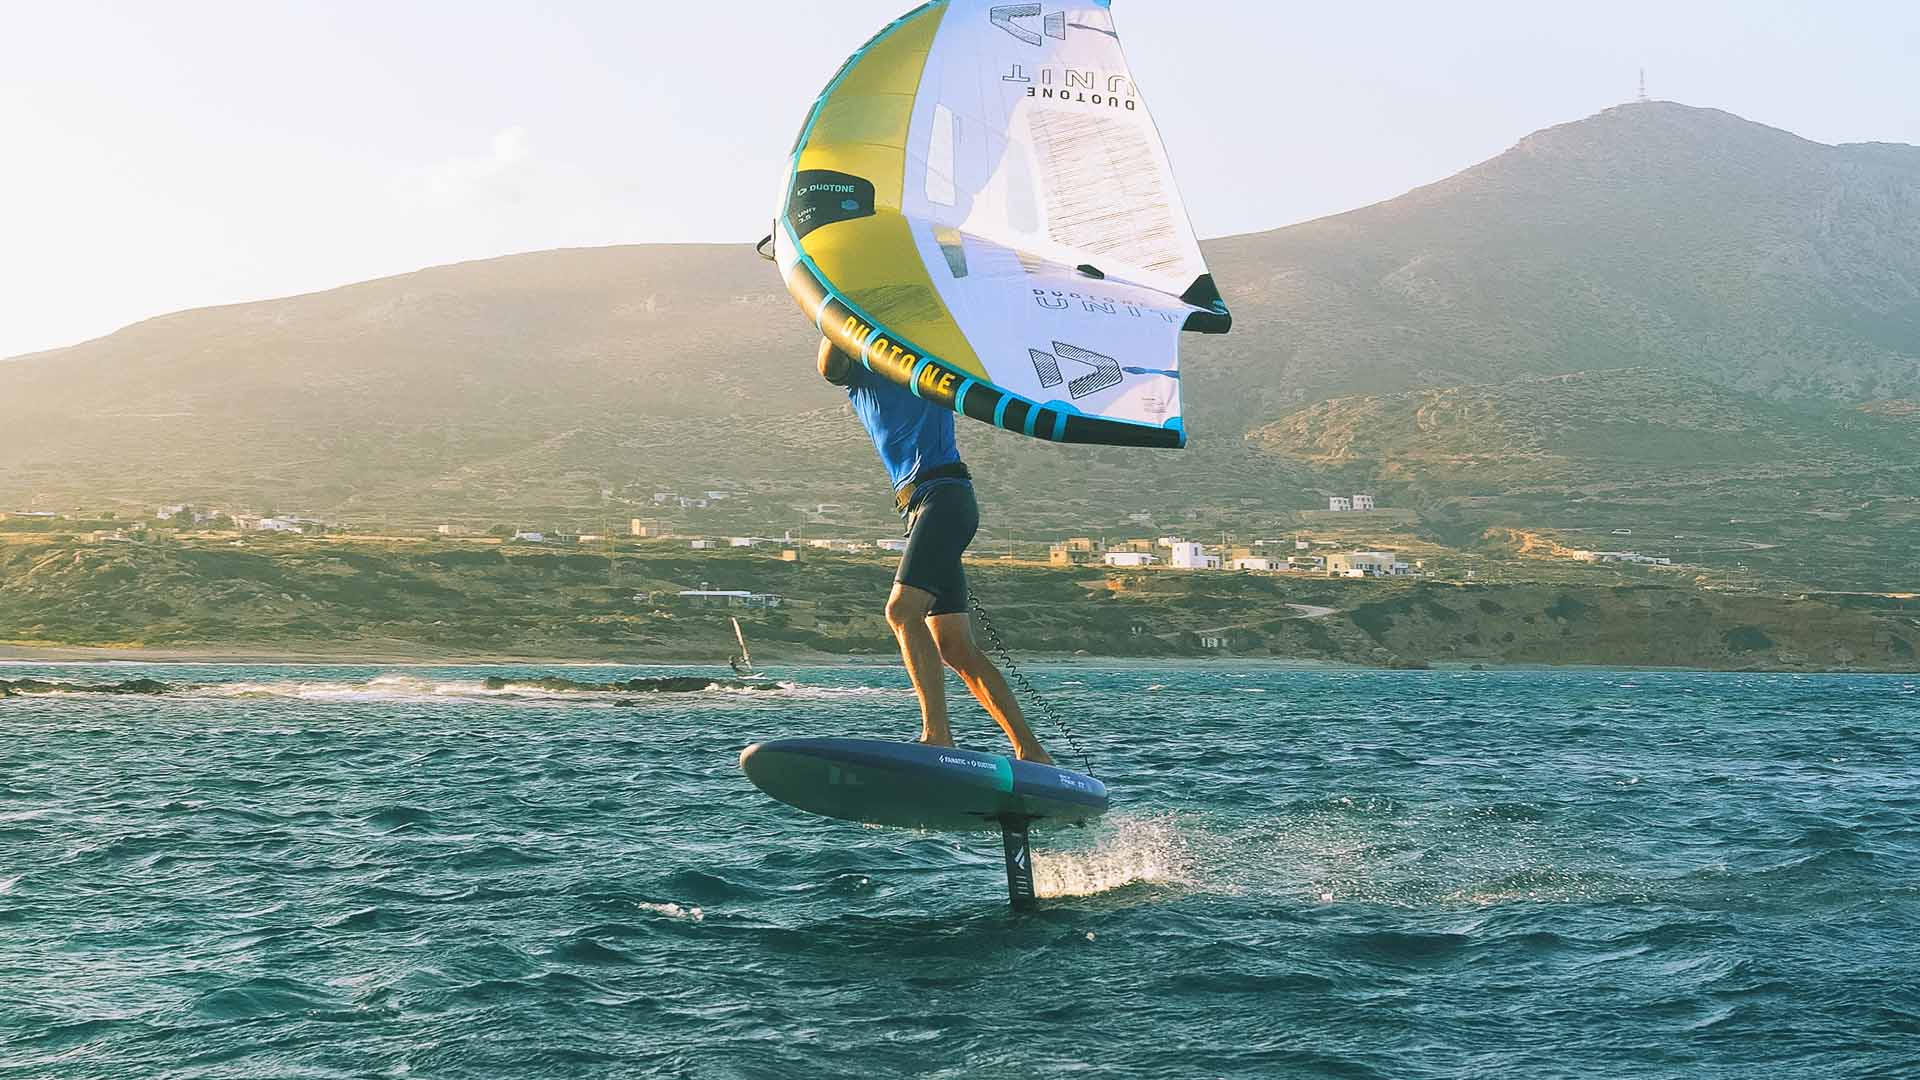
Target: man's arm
[[835, 367]]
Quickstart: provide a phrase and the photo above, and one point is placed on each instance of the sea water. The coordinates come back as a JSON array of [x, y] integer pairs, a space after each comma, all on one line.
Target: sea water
[[298, 871]]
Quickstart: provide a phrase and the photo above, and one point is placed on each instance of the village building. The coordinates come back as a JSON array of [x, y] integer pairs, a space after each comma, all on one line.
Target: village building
[[1129, 558], [1339, 504], [1189, 556], [1367, 564], [1262, 563], [1622, 557]]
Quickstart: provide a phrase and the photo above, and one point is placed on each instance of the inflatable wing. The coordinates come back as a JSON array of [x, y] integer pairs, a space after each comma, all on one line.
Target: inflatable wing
[[980, 208]]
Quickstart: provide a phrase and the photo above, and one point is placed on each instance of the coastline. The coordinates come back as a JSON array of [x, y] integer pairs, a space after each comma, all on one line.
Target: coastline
[[14, 654]]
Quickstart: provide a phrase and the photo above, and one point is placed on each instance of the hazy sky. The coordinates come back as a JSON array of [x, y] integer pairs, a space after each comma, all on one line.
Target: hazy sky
[[158, 156]]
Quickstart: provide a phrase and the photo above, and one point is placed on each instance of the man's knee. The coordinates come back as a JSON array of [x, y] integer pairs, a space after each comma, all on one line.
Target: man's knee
[[907, 607], [960, 653]]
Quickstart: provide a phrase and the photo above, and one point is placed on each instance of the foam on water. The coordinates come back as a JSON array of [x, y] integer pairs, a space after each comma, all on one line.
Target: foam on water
[[672, 910], [1127, 850], [402, 687]]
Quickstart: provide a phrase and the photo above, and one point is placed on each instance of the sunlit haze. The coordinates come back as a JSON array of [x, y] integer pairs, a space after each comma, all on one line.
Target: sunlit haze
[[165, 156]]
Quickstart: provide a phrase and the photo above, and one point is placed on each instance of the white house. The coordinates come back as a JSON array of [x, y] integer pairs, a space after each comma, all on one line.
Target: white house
[[531, 537], [1367, 564], [1339, 503], [1129, 558], [1626, 557], [1363, 502], [1190, 556], [1168, 541], [1259, 562], [890, 545], [277, 524], [744, 541], [702, 545]]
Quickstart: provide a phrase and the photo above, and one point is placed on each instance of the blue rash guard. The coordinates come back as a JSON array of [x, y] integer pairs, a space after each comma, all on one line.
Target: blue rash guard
[[912, 435]]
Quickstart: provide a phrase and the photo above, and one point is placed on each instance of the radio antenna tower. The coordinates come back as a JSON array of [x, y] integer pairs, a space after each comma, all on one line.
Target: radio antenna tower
[[1643, 87]]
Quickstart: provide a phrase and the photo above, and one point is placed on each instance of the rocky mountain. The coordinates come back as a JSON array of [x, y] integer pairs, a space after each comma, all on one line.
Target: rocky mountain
[[1684, 241]]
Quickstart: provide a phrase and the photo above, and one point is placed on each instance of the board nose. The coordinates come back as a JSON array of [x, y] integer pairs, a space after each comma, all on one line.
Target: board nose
[[752, 749]]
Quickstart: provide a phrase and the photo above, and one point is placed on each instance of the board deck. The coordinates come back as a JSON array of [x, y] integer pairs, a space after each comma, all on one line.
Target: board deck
[[915, 786]]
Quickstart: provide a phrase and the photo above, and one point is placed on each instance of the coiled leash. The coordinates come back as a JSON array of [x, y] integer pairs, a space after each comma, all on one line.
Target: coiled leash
[[1020, 680]]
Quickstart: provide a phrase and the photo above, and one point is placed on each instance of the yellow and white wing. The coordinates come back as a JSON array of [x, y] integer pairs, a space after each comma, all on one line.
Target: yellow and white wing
[[981, 209]]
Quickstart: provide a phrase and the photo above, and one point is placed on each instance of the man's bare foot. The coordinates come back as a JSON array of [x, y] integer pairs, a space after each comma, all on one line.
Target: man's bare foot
[[924, 740], [1036, 755]]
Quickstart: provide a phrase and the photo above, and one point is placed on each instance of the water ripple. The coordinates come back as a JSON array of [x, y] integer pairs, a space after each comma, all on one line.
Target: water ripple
[[475, 872]]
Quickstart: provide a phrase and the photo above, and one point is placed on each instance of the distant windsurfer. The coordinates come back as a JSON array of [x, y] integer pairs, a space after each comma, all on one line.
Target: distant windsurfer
[[928, 608]]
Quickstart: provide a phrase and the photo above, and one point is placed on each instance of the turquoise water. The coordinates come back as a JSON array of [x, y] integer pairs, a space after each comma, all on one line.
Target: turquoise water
[[298, 871]]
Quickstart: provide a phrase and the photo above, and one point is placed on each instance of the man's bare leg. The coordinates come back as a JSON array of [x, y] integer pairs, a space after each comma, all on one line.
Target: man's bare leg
[[907, 615], [953, 635]]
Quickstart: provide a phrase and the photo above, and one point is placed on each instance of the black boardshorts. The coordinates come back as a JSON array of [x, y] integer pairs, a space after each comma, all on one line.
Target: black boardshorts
[[939, 528]]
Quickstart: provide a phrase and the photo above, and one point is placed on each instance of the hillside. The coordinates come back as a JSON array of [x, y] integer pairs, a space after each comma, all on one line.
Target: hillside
[[1681, 240], [1735, 312], [323, 598]]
